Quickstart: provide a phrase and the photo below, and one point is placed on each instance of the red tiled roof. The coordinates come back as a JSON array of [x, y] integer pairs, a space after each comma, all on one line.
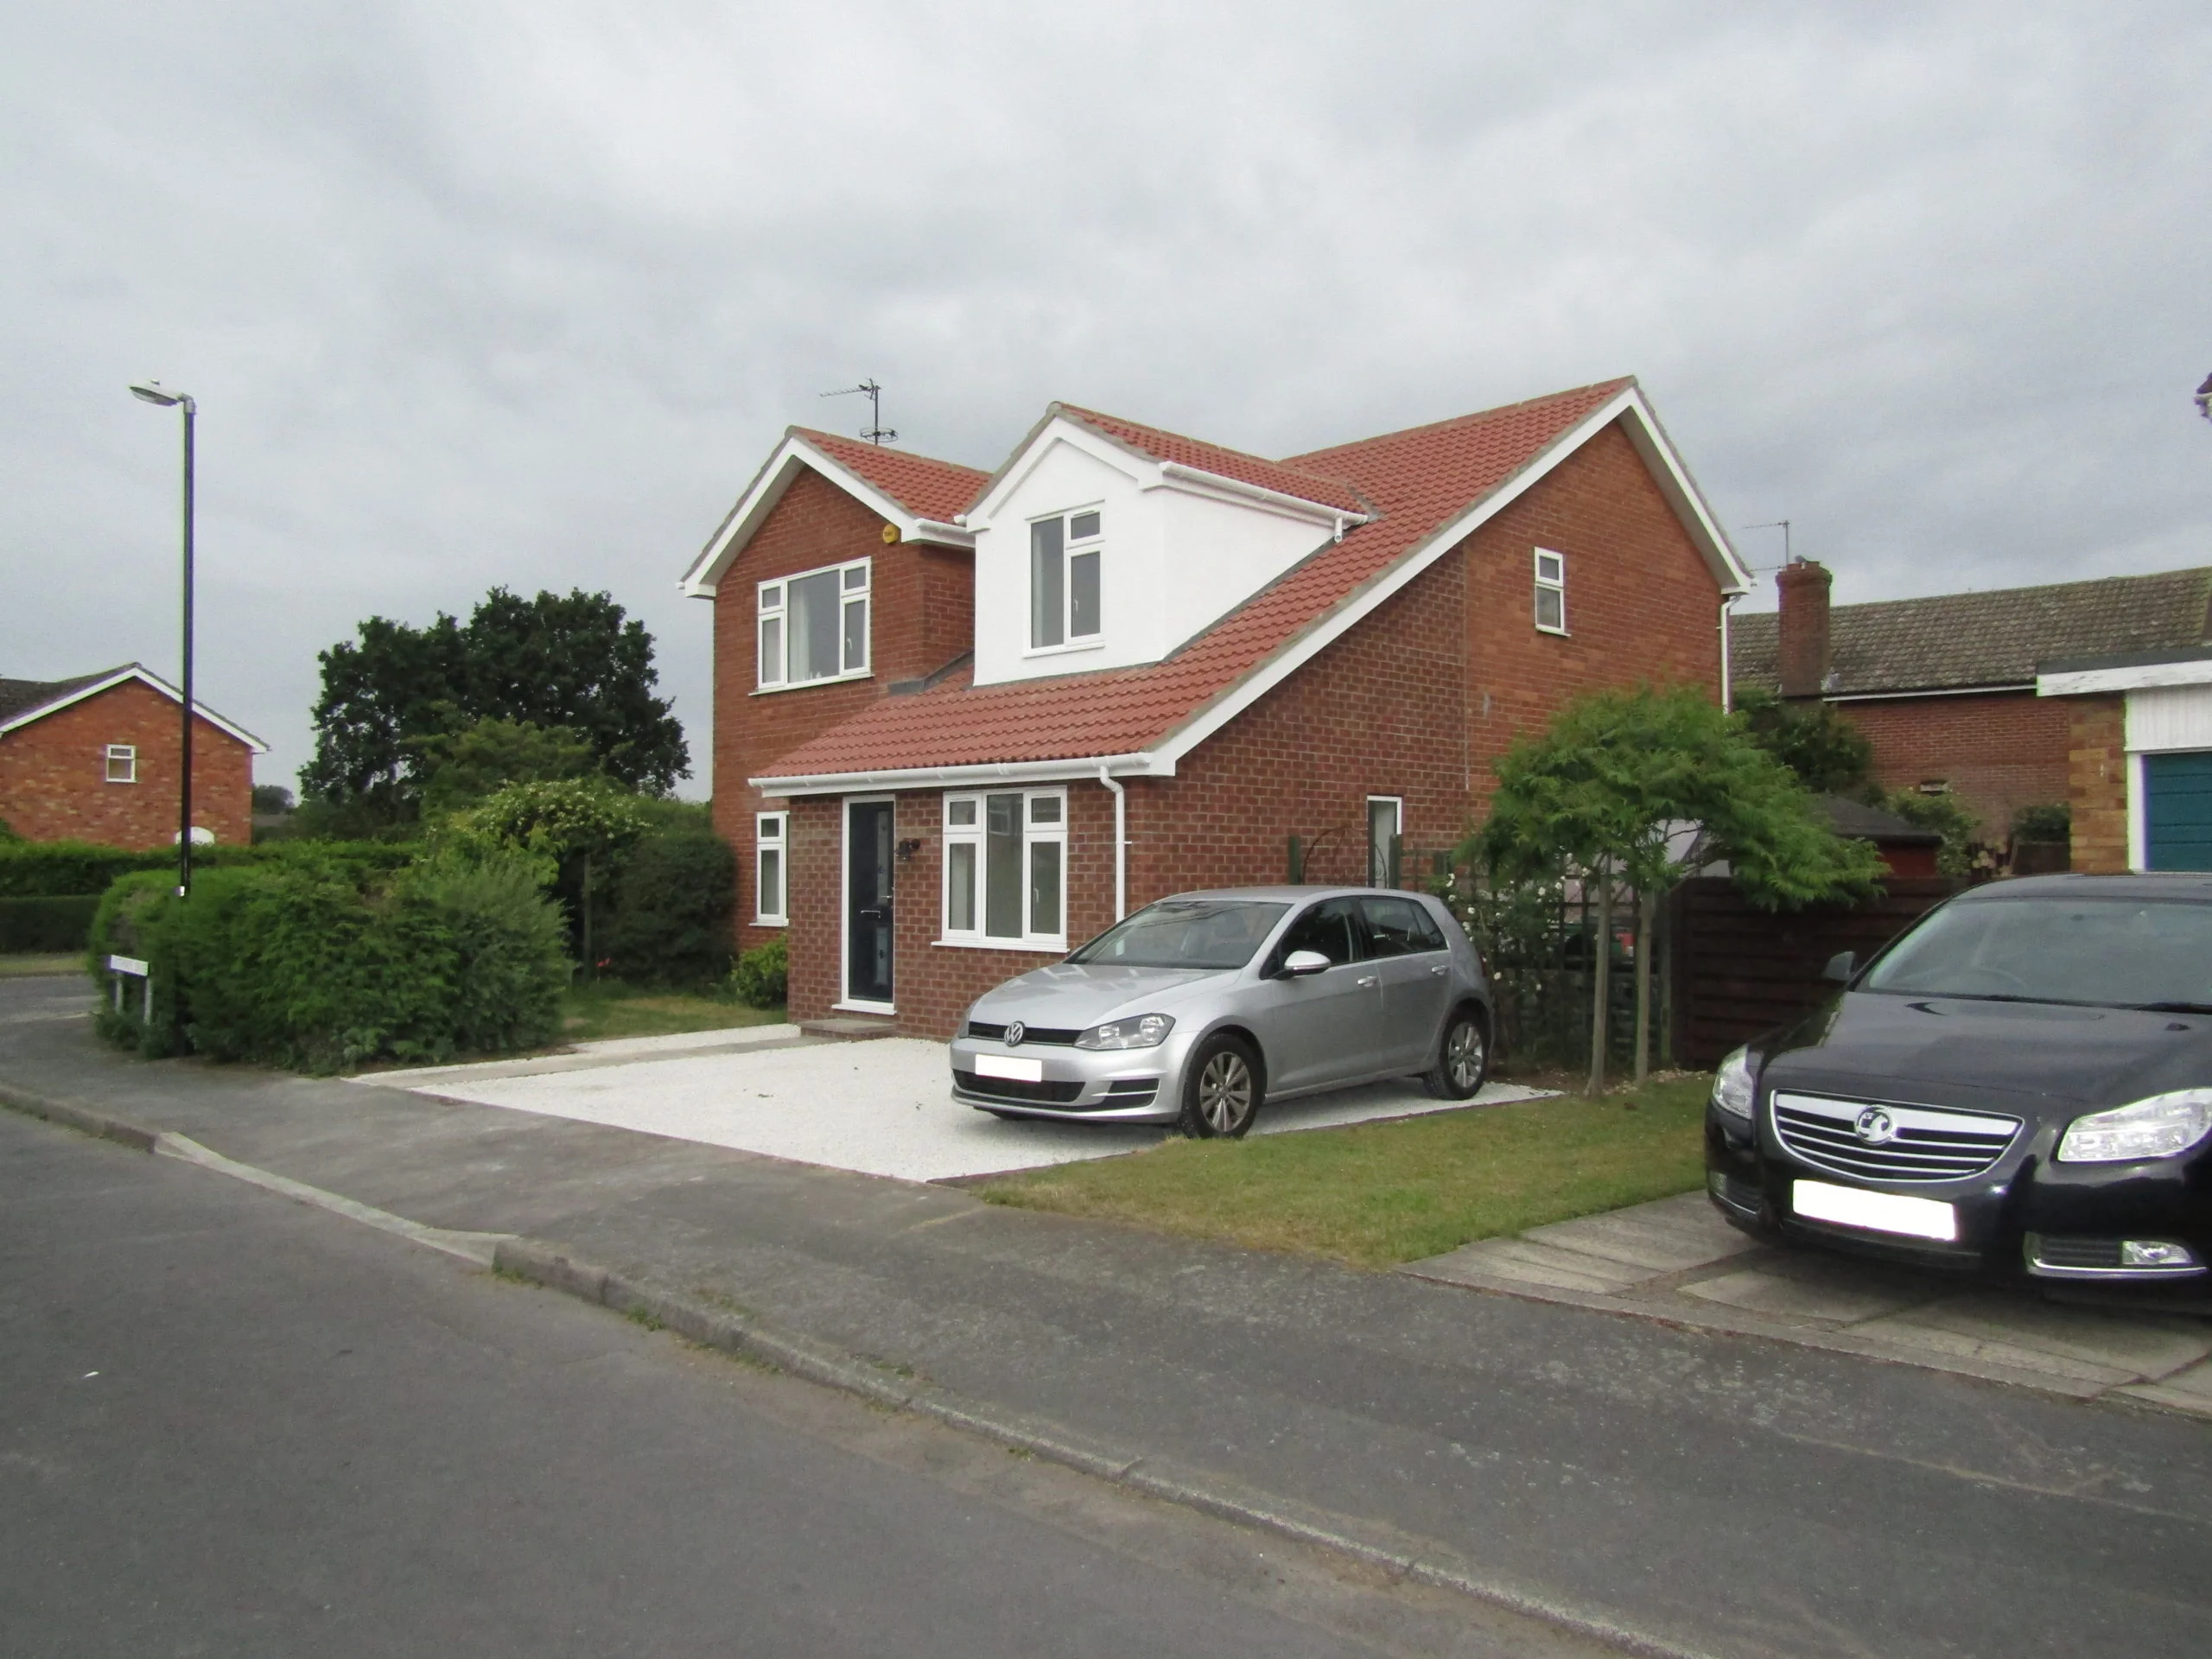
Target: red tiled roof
[[1420, 479], [927, 488], [1329, 490]]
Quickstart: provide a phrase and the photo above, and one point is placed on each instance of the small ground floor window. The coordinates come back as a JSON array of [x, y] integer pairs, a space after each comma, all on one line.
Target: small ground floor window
[[1006, 867], [769, 835]]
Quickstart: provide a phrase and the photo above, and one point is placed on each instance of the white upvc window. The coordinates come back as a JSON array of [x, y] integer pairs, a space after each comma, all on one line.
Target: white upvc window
[[123, 763], [771, 868], [814, 626], [1065, 602], [1551, 591], [1005, 868]]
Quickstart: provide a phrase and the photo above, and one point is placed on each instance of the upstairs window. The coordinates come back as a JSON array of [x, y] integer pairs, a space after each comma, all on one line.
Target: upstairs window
[[814, 626], [1064, 555], [123, 763], [1005, 865], [1551, 592]]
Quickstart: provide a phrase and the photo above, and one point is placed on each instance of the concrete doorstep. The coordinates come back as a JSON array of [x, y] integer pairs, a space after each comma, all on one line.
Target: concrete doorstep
[[1676, 1260]]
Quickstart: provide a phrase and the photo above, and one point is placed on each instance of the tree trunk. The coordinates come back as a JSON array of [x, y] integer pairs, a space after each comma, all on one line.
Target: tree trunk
[[1644, 909], [1601, 979]]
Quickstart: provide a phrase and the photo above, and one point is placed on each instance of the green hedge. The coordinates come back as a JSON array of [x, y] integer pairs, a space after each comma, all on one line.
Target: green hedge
[[312, 964], [668, 922], [47, 869], [53, 924]]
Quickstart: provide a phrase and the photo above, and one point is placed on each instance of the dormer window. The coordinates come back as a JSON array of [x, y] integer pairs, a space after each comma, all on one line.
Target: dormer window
[[1064, 555], [814, 626]]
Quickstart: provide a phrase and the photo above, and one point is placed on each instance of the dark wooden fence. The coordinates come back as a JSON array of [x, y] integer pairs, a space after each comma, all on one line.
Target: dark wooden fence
[[1736, 971]]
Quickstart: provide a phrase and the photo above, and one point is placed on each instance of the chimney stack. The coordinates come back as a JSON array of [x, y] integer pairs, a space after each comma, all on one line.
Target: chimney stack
[[1803, 654]]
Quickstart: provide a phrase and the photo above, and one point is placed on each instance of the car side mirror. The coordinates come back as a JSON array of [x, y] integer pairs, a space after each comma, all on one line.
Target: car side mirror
[[1840, 966], [1300, 963]]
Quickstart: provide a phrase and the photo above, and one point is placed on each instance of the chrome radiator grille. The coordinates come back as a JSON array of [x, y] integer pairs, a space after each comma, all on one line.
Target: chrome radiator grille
[[1880, 1143]]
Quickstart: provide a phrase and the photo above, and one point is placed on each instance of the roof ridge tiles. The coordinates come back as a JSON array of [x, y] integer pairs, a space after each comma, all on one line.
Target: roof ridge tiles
[[1617, 383]]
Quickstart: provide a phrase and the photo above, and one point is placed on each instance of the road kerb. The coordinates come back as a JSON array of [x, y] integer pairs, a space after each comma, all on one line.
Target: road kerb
[[86, 1119]]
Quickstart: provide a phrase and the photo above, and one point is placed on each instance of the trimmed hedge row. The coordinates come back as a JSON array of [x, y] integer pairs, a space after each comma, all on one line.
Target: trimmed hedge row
[[310, 962], [50, 869], [53, 924]]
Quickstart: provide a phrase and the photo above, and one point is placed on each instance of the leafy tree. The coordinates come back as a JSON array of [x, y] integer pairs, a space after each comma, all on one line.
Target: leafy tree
[[1829, 754], [570, 661], [577, 826], [1642, 786], [462, 767], [271, 798], [1947, 815]]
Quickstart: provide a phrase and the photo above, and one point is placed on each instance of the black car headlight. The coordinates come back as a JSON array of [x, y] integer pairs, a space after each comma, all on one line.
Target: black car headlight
[[1139, 1031], [2159, 1126], [1733, 1085]]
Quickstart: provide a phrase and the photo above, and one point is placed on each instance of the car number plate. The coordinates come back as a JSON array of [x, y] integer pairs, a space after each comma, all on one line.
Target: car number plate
[[998, 1065], [1879, 1212]]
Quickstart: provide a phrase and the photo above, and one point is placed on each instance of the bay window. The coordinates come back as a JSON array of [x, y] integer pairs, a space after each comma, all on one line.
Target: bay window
[[1065, 551], [1006, 867], [814, 626]]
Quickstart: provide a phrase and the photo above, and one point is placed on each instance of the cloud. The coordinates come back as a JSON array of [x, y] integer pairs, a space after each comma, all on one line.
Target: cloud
[[523, 294]]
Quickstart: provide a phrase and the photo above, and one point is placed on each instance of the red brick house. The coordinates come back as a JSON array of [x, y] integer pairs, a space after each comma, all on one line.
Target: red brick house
[[963, 720], [97, 759], [1946, 688]]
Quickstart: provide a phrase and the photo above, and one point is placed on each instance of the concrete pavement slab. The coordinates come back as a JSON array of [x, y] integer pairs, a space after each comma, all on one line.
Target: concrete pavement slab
[[2071, 1341], [1818, 1293], [2189, 1390], [1514, 1261], [1667, 1235]]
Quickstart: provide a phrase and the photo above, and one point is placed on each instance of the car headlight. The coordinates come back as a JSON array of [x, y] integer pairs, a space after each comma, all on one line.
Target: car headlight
[[1733, 1085], [2157, 1127], [1142, 1031]]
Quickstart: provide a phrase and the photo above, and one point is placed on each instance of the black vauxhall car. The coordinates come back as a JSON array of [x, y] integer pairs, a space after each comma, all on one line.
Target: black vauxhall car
[[2020, 1084]]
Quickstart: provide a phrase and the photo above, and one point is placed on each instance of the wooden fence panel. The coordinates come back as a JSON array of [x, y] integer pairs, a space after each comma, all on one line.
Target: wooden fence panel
[[1737, 971]]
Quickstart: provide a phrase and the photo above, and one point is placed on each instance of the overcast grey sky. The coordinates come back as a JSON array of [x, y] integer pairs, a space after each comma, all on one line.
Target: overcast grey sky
[[475, 293]]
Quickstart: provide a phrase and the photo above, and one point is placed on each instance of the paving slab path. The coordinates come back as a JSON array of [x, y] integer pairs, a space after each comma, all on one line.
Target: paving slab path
[[1692, 1489]]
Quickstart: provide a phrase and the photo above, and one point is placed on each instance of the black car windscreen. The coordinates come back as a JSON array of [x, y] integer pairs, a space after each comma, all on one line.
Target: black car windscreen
[[1204, 933], [2109, 952]]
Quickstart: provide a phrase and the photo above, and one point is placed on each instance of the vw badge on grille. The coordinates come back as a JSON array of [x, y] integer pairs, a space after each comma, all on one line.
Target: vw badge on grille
[[1017, 1031], [1875, 1127]]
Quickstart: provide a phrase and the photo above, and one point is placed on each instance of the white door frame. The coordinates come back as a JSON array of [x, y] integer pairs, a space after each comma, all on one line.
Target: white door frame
[[846, 1001]]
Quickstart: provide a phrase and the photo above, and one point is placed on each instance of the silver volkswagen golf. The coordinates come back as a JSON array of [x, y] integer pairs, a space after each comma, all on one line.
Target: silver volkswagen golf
[[1197, 1009]]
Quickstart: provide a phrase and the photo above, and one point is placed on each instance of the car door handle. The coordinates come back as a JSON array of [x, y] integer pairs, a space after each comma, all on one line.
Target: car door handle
[[1371, 979], [1439, 971]]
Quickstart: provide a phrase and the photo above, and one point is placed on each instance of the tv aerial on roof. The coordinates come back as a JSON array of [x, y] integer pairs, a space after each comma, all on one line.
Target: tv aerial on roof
[[877, 432]]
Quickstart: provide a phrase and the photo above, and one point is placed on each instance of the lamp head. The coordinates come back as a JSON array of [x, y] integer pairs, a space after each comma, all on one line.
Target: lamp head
[[152, 391]]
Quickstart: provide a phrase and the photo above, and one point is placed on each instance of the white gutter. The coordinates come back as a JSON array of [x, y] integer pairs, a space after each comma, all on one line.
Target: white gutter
[[936, 530], [996, 771], [1301, 505], [1727, 676], [1121, 843]]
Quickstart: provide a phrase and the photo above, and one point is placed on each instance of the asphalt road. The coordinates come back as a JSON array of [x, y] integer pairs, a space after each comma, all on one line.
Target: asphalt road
[[235, 1425]]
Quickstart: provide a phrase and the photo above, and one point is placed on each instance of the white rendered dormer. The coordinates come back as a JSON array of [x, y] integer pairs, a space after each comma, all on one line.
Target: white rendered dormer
[[1091, 555]]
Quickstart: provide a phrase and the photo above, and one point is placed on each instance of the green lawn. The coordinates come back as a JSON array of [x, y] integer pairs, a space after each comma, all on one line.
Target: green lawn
[[23, 965], [609, 1008], [1378, 1194]]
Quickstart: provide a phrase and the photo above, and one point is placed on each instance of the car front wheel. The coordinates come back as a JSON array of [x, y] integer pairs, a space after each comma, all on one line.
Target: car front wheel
[[1221, 1090], [1462, 1057]]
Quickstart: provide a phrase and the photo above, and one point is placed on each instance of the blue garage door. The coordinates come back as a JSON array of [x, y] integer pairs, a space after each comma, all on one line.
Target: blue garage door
[[2177, 810]]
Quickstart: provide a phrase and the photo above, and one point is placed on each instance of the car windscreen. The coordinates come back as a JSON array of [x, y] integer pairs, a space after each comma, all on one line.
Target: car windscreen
[[1209, 933], [2109, 952]]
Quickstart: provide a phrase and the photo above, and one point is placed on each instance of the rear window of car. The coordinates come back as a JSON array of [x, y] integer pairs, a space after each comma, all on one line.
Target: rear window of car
[[1400, 927], [2118, 952], [1206, 933]]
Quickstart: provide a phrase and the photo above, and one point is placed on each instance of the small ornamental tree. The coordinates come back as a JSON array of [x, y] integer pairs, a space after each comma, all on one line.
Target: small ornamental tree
[[1829, 754], [570, 824], [1642, 787]]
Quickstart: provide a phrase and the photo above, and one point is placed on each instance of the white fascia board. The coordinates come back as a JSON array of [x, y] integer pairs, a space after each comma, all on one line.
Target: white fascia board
[[1365, 601], [2141, 677], [1073, 769], [134, 672], [1682, 493], [767, 488], [1993, 688]]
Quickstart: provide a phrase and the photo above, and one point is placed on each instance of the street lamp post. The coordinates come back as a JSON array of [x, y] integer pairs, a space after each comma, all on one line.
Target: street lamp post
[[153, 391]]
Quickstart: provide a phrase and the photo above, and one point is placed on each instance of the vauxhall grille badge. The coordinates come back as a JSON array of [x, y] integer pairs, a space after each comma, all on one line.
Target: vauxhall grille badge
[[1017, 1031], [1875, 1127]]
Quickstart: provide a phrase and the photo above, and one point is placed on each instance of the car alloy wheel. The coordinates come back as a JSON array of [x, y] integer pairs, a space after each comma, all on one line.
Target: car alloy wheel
[[1224, 1092], [1462, 1059]]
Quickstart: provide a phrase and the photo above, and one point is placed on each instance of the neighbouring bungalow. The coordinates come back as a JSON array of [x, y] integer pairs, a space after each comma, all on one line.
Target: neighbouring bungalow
[[99, 758], [964, 720]]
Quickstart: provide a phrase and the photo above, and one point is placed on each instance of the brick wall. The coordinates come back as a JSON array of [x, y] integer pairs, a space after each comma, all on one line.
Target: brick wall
[[1998, 752], [1642, 606], [52, 774], [920, 611], [2096, 763]]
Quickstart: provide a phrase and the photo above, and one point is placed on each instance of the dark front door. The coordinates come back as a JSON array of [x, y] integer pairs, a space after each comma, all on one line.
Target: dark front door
[[2177, 810], [868, 901]]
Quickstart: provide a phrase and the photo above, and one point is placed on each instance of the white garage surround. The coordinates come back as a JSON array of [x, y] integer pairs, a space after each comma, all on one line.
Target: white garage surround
[[881, 1108]]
